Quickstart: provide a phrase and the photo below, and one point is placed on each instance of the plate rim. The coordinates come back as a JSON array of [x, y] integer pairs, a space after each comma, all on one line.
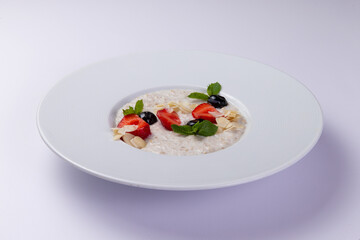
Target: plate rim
[[220, 184]]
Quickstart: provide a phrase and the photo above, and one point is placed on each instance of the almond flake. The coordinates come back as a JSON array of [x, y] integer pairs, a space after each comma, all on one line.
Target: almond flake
[[174, 106], [216, 114], [127, 137], [222, 122], [115, 130], [138, 142], [117, 137], [159, 107], [185, 108], [235, 126], [129, 128], [232, 115], [119, 132]]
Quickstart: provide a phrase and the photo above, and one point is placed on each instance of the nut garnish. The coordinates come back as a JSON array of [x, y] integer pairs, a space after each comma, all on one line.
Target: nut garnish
[[182, 106], [187, 107], [222, 122], [234, 126], [232, 115], [138, 142], [119, 132], [216, 114], [225, 125], [117, 137], [174, 106], [127, 137], [159, 107]]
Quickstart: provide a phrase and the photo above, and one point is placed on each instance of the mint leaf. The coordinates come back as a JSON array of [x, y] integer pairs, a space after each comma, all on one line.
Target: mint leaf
[[204, 128], [139, 106], [207, 128], [128, 111], [214, 89], [198, 95], [184, 130], [196, 127]]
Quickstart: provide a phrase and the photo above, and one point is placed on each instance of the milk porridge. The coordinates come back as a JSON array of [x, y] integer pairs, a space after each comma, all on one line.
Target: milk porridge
[[171, 122]]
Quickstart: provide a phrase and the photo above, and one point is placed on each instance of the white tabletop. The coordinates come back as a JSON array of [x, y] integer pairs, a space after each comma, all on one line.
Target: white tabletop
[[43, 197]]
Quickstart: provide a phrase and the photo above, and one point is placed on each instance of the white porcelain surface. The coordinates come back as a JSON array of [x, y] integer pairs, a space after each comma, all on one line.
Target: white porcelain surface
[[285, 120]]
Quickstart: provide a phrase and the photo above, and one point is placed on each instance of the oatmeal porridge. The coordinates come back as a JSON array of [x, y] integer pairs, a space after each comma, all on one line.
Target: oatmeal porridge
[[179, 122]]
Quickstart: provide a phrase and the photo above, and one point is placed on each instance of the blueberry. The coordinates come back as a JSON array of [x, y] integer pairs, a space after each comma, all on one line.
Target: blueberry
[[148, 117], [217, 101], [192, 122]]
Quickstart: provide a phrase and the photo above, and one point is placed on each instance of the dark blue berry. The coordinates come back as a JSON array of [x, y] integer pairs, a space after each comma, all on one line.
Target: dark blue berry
[[148, 117], [192, 122], [217, 101]]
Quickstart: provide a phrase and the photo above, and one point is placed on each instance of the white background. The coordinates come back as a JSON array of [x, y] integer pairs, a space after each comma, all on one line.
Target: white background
[[43, 197]]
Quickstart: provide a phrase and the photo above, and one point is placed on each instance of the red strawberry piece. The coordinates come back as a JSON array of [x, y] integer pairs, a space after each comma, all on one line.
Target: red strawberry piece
[[143, 129], [202, 112], [167, 118]]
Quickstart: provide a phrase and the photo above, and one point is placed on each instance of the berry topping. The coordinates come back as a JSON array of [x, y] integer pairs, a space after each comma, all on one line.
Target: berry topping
[[148, 117], [192, 122], [143, 128], [206, 112], [217, 101], [168, 118]]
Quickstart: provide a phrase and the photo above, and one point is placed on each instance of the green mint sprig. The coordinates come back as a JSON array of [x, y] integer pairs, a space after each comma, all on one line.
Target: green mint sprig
[[138, 108], [213, 89], [198, 95], [204, 128]]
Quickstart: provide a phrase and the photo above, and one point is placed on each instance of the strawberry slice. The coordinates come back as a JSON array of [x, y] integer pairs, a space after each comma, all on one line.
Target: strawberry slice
[[143, 129], [202, 112], [167, 118]]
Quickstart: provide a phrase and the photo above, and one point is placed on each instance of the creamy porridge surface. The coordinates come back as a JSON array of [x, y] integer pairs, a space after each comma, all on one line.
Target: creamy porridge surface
[[163, 141]]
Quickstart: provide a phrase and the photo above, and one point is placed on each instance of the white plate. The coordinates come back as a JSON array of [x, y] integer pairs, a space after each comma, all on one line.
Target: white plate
[[285, 120]]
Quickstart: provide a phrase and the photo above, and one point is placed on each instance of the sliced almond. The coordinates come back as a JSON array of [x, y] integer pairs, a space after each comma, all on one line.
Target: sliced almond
[[115, 130], [182, 106], [232, 115], [119, 132], [138, 142], [216, 114], [129, 128], [127, 138], [174, 106], [117, 137], [222, 122], [159, 107], [185, 107], [235, 126]]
